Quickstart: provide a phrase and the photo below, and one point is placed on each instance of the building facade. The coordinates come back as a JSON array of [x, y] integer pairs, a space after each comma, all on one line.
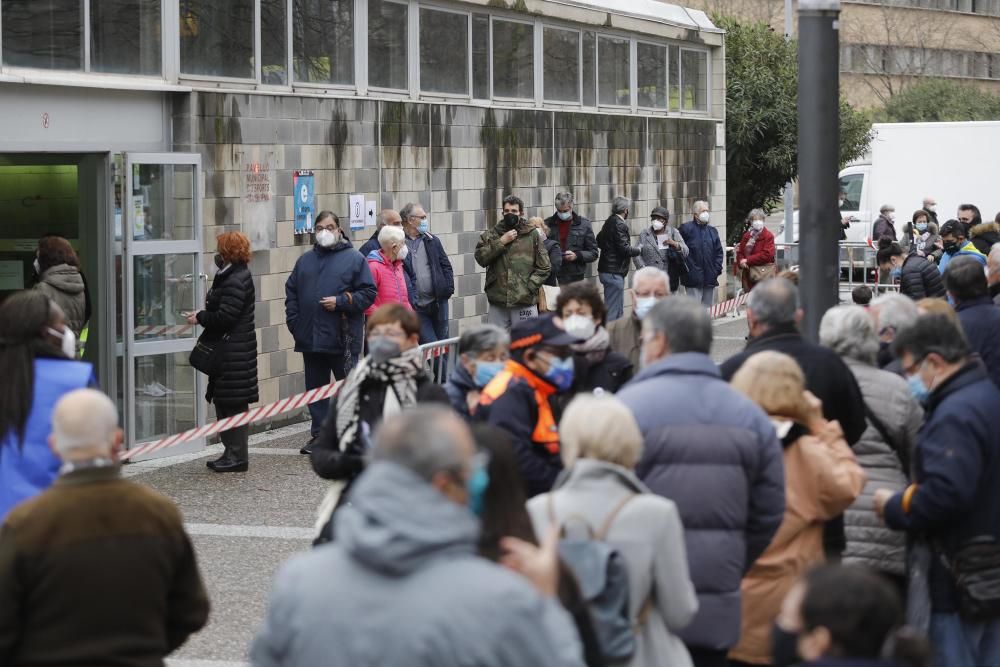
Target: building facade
[[142, 129]]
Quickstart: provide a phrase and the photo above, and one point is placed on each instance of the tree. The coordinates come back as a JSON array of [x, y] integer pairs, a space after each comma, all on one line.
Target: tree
[[762, 119], [938, 100]]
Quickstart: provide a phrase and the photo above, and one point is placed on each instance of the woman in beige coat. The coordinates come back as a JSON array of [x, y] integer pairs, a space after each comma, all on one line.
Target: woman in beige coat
[[822, 479], [600, 444]]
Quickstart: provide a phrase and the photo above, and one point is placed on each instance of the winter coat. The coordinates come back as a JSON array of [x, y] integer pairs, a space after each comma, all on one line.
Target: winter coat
[[920, 279], [390, 282], [984, 235], [822, 478], [706, 254], [626, 339], [555, 251], [968, 250], [956, 465], [514, 272], [869, 541], [458, 386], [340, 271], [64, 285], [714, 453], [442, 273], [649, 248], [402, 585], [411, 276], [763, 251], [995, 293], [609, 374], [28, 466], [929, 249], [884, 228], [229, 309], [980, 320], [97, 570], [615, 243], [647, 534], [580, 240]]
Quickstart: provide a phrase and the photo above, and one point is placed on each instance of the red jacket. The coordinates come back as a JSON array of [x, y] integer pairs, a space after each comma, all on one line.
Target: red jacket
[[390, 281], [762, 252]]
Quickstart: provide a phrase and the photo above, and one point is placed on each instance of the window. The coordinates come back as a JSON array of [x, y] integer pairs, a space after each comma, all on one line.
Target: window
[[674, 69], [613, 71], [125, 36], [652, 75], [324, 41], [444, 52], [589, 69], [273, 42], [694, 79], [561, 65], [852, 184], [43, 33], [513, 59], [481, 56], [216, 38], [387, 44]]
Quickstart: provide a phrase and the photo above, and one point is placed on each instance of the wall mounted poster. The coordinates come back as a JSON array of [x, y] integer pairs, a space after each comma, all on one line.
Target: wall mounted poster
[[304, 188]]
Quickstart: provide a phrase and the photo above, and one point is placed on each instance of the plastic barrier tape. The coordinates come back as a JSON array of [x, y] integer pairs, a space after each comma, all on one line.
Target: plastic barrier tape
[[726, 307]]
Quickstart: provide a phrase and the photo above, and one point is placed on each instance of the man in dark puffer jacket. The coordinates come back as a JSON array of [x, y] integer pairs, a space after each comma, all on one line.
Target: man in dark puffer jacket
[[979, 316], [918, 278]]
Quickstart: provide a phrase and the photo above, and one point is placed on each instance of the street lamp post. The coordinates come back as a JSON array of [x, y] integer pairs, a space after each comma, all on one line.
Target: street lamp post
[[819, 157]]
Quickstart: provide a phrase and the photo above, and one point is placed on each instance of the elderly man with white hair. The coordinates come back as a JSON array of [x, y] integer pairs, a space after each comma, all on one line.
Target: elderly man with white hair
[[386, 266], [705, 255], [993, 273], [649, 285], [96, 570], [891, 314]]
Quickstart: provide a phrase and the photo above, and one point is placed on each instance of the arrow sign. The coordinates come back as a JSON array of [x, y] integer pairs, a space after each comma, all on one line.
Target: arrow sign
[[370, 217]]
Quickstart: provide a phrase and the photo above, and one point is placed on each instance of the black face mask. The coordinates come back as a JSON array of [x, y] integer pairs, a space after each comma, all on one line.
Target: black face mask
[[784, 647], [219, 262], [510, 220], [951, 248]]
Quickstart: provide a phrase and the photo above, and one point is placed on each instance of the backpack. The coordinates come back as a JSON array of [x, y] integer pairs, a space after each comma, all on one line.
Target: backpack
[[603, 578]]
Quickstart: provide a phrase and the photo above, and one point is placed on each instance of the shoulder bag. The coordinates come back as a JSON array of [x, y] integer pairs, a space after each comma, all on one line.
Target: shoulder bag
[[761, 272], [209, 351]]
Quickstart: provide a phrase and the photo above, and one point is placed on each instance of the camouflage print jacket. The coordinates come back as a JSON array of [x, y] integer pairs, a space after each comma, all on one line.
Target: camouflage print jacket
[[515, 272]]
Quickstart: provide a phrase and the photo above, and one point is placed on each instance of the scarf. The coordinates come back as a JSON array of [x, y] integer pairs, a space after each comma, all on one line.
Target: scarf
[[752, 241], [596, 347], [399, 373]]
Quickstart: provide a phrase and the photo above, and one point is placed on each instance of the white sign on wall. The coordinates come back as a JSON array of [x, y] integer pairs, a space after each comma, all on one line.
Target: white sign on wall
[[357, 212], [257, 184]]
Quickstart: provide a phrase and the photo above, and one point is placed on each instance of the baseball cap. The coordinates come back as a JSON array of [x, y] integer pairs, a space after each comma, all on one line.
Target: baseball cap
[[660, 212], [540, 331]]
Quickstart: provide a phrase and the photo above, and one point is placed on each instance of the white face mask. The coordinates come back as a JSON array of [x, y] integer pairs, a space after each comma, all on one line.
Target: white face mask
[[402, 253], [891, 216], [657, 225], [68, 341], [840, 203], [932, 208], [704, 217], [326, 238], [580, 326], [38, 269], [643, 305], [757, 225]]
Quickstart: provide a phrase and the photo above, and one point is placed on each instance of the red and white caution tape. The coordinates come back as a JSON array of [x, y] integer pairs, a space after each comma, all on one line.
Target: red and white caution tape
[[163, 330], [726, 307]]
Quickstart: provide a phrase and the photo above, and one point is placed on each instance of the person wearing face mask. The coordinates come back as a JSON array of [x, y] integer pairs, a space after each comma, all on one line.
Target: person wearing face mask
[[917, 278], [575, 235], [326, 297], [921, 238], [955, 243], [553, 249], [596, 367], [60, 279], [706, 255], [952, 499], [885, 224], [405, 558], [616, 247], [929, 207], [390, 217], [482, 354], [662, 247], [755, 254], [37, 355], [649, 285], [983, 234], [970, 216], [386, 266], [435, 278], [520, 399]]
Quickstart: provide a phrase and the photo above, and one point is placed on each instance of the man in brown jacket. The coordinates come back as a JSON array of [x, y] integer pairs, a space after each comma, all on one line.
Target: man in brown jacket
[[96, 570], [649, 285]]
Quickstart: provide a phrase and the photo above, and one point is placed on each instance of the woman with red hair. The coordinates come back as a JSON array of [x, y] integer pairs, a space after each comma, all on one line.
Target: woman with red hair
[[229, 326]]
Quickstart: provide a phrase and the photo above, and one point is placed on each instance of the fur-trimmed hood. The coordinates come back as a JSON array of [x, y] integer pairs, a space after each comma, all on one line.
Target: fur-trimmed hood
[[984, 228]]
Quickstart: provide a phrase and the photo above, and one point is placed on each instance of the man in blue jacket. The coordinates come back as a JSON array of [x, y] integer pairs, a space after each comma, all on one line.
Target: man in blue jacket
[[704, 257], [716, 455], [325, 299], [980, 317], [434, 281], [953, 498]]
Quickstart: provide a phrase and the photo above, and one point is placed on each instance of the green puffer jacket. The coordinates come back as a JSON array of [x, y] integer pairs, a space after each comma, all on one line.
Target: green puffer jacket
[[515, 272]]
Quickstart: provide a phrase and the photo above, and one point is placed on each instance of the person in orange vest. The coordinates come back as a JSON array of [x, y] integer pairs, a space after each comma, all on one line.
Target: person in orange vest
[[518, 399]]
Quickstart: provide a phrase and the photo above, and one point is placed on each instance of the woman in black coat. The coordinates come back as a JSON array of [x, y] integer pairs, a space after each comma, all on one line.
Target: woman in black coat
[[229, 313], [918, 278]]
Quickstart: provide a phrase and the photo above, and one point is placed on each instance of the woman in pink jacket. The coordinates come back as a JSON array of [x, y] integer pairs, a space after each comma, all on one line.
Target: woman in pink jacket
[[386, 265]]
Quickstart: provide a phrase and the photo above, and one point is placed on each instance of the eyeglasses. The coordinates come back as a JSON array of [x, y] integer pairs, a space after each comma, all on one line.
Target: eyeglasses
[[389, 333]]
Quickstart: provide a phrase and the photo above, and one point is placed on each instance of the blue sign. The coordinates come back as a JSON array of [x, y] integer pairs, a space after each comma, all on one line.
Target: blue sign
[[304, 187]]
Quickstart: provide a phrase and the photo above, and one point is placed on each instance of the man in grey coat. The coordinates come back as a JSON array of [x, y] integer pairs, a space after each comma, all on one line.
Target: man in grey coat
[[716, 455], [402, 585]]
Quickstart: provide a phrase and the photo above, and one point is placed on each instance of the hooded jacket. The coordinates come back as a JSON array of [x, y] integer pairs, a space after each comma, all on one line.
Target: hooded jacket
[[390, 282], [402, 585], [516, 271], [411, 276], [984, 235], [705, 254], [920, 279], [969, 249], [64, 285], [927, 246], [580, 239], [458, 386]]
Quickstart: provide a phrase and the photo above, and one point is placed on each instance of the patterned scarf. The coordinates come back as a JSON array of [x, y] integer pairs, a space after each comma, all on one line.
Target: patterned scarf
[[595, 347], [752, 241], [399, 373]]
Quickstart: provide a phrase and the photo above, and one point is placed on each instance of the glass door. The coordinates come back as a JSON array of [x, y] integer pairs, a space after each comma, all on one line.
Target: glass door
[[161, 234]]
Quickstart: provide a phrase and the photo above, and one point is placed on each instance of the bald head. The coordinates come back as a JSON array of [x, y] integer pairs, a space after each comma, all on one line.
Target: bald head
[[85, 425], [388, 216], [993, 265]]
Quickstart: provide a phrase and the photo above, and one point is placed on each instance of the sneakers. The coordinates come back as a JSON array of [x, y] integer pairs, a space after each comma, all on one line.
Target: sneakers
[[307, 448]]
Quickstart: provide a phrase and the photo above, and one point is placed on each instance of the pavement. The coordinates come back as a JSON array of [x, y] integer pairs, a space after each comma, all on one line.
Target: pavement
[[244, 526]]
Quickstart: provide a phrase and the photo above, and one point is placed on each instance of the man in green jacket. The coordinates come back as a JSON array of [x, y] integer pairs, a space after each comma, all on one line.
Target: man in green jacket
[[516, 264]]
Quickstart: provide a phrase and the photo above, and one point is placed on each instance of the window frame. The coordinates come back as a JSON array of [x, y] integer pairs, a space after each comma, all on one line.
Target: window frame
[[630, 43], [579, 66], [666, 73], [402, 92], [494, 17], [360, 73], [433, 95], [708, 81]]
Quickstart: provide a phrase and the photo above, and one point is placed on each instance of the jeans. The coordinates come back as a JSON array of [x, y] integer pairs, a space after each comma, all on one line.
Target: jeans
[[318, 366], [704, 294], [235, 440], [508, 317], [614, 294], [959, 643], [433, 321]]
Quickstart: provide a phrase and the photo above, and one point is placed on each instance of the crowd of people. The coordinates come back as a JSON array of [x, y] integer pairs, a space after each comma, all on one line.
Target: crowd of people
[[587, 488]]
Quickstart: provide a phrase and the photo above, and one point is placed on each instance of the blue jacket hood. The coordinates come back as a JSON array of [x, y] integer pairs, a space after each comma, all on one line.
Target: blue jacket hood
[[693, 363], [377, 256]]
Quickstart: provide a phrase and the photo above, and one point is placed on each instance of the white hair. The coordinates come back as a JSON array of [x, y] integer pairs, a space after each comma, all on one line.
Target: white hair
[[993, 261], [700, 205], [390, 236], [850, 332], [653, 273], [602, 428], [894, 311], [84, 419]]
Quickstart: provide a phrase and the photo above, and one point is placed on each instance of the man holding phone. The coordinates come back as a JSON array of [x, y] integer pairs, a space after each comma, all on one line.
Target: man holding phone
[[576, 238]]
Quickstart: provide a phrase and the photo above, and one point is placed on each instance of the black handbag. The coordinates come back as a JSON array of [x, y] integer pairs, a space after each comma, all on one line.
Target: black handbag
[[207, 355], [976, 569], [676, 264]]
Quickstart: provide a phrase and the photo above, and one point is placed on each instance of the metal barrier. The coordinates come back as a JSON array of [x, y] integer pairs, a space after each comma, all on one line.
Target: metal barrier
[[441, 357]]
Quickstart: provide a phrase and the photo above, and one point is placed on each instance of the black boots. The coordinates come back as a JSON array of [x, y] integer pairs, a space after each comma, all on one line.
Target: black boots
[[229, 465], [307, 448]]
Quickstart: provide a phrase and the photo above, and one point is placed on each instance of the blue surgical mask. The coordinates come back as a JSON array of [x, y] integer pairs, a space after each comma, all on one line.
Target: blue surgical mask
[[476, 487], [565, 215], [425, 225], [643, 305], [921, 227], [486, 371], [918, 387], [560, 373], [896, 272]]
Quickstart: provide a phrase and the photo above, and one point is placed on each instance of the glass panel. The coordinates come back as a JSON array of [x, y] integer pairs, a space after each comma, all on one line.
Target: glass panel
[[165, 397], [561, 62], [613, 72], [125, 36], [273, 42], [387, 44], [694, 75], [324, 41], [481, 56], [444, 52], [217, 38], [652, 75], [675, 78], [513, 59], [589, 69], [43, 33], [162, 206], [164, 291]]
